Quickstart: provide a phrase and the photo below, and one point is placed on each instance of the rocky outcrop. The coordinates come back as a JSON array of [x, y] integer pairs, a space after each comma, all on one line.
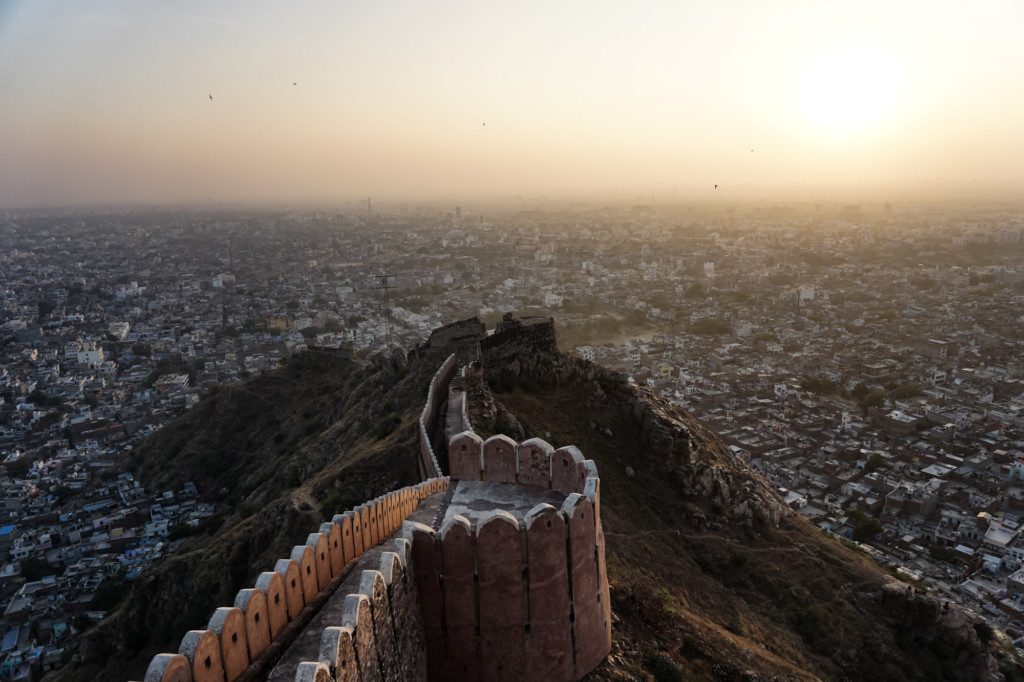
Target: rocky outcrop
[[523, 353], [963, 638]]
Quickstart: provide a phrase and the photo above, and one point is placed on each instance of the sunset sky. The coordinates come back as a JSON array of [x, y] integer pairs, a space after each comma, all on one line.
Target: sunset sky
[[110, 101]]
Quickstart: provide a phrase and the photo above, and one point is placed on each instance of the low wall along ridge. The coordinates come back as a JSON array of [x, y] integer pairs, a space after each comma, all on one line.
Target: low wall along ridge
[[238, 635], [495, 597]]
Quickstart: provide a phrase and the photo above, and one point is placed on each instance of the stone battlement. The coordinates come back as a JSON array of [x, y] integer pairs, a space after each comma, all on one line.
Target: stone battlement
[[501, 578]]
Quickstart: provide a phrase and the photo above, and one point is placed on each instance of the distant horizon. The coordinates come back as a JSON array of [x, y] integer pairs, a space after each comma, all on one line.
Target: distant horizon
[[114, 101], [721, 198]]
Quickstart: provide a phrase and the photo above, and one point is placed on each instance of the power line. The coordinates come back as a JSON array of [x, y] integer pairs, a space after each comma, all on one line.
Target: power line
[[383, 281]]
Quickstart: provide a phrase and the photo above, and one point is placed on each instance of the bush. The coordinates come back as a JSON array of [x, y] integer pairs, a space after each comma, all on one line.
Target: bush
[[662, 667]]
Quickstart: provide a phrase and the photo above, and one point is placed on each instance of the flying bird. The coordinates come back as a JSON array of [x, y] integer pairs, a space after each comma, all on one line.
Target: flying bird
[[716, 186], [297, 84], [485, 124], [211, 98]]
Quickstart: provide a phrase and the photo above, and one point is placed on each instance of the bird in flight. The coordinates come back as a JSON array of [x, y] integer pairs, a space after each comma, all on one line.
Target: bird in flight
[[716, 186], [297, 84], [485, 124], [211, 98]]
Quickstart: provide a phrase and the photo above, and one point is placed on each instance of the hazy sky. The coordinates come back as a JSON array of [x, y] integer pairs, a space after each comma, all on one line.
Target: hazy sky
[[109, 100]]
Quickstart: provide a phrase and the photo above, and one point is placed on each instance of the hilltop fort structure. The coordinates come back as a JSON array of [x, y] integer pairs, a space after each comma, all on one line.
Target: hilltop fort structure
[[495, 571]]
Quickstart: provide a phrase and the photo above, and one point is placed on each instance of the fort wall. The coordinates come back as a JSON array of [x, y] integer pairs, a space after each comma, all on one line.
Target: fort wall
[[436, 396], [499, 597], [512, 599], [238, 636]]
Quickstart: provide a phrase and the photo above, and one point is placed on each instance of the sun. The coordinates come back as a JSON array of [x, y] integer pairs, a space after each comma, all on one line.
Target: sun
[[850, 91]]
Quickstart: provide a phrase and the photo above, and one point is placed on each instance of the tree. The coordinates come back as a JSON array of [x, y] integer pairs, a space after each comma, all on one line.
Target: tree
[[860, 391], [874, 462], [34, 569], [864, 526], [18, 468], [142, 350], [820, 386], [904, 391], [873, 399]]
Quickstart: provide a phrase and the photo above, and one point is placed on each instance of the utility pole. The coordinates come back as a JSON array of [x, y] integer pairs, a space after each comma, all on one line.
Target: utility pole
[[383, 281]]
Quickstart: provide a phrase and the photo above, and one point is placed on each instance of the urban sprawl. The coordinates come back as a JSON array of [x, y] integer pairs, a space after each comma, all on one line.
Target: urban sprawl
[[865, 359]]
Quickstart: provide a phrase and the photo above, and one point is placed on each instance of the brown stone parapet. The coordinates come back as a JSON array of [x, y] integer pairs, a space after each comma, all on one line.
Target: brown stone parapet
[[313, 672], [427, 574], [533, 462], [503, 614], [335, 549], [588, 624], [460, 605], [202, 650], [321, 561], [550, 653], [271, 584], [465, 456], [229, 624], [338, 653], [253, 605], [358, 616], [372, 585], [303, 555], [168, 668], [565, 465], [288, 569], [250, 628], [499, 459]]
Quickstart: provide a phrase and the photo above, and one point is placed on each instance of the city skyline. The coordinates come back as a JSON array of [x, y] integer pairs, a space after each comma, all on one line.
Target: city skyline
[[120, 102]]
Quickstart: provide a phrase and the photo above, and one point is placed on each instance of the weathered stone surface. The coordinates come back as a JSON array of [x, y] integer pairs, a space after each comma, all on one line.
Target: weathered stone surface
[[550, 655], [288, 569], [253, 605], [229, 624], [374, 523], [364, 519], [588, 624], [499, 459], [306, 560], [338, 652], [313, 672], [321, 560], [202, 649], [460, 606], [534, 463], [358, 617], [464, 456], [372, 585], [351, 531], [564, 469], [427, 573], [272, 585], [168, 668], [502, 616], [409, 644], [335, 549]]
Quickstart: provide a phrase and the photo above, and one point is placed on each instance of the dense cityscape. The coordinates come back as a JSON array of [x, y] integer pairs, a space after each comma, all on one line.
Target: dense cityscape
[[863, 358]]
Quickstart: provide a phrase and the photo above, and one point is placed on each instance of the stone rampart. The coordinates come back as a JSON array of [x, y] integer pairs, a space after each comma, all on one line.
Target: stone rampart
[[238, 640], [516, 599], [436, 396], [503, 597]]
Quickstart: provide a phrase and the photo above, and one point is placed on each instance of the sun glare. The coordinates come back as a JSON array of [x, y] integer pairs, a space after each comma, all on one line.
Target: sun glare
[[850, 91]]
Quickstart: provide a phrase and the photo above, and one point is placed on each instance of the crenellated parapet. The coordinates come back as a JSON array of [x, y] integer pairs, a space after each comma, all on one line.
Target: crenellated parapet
[[239, 636], [513, 584], [436, 395], [496, 572]]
